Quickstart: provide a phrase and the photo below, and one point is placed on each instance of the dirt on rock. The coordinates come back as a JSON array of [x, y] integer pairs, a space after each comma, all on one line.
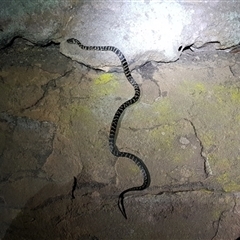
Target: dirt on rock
[[58, 179]]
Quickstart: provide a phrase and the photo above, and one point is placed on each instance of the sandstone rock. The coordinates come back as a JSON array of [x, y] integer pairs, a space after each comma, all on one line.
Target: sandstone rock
[[37, 21], [150, 31], [143, 30]]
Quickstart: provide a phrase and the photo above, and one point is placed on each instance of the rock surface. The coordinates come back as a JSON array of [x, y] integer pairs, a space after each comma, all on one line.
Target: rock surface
[[151, 31], [58, 179], [143, 30]]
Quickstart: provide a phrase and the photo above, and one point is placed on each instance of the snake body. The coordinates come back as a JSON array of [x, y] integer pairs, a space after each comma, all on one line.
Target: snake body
[[112, 135]]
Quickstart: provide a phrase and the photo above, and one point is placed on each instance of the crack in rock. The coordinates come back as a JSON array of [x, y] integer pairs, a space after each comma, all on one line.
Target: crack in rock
[[217, 224], [207, 169], [188, 187], [143, 128], [46, 87], [74, 187]]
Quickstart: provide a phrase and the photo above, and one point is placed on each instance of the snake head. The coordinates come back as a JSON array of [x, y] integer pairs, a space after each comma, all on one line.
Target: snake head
[[74, 41], [71, 40]]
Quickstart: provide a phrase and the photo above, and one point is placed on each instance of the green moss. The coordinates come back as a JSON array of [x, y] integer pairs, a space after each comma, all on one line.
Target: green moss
[[207, 138], [228, 184], [213, 104], [235, 95], [105, 84], [104, 78], [224, 164], [134, 169], [160, 112], [82, 114], [193, 88], [216, 213], [164, 111], [227, 94]]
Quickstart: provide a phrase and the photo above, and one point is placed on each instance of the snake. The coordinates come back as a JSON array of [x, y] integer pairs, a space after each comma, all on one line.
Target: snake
[[116, 121]]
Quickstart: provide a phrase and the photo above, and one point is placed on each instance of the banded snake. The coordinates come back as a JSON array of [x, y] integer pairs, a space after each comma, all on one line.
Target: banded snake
[[112, 135]]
